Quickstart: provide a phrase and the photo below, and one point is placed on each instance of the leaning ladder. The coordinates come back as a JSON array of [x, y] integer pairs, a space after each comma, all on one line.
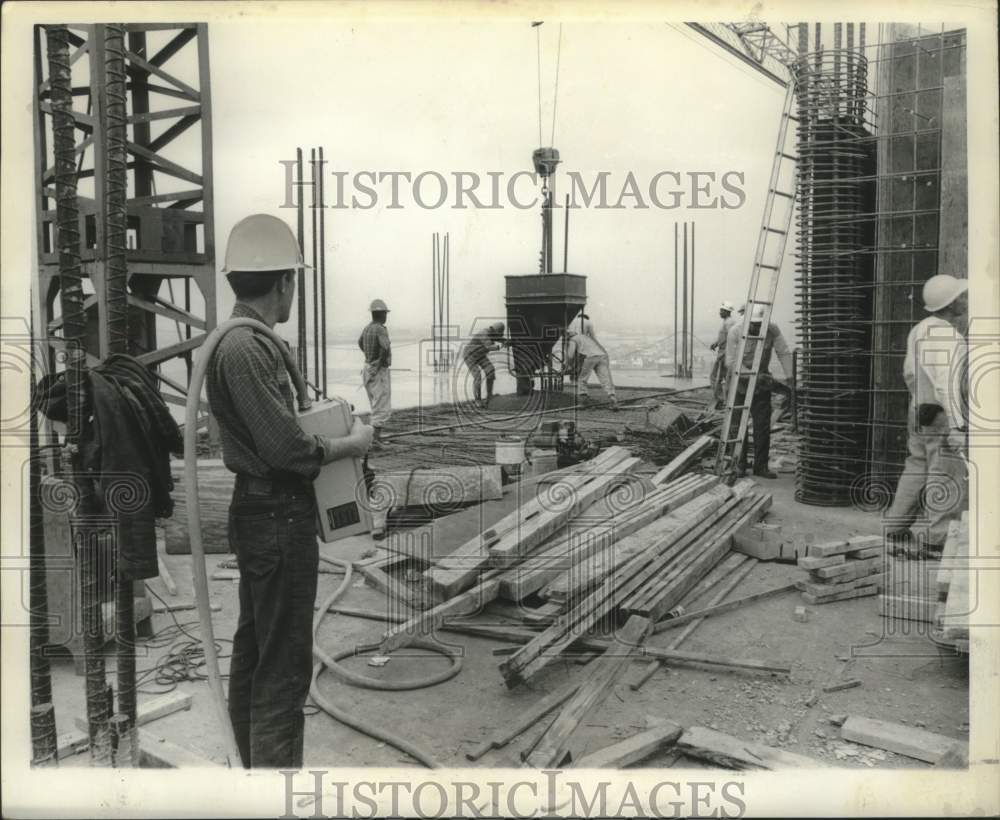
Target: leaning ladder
[[775, 226]]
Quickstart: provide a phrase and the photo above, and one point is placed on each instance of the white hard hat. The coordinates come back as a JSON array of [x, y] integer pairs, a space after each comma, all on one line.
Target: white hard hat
[[941, 290], [378, 305], [261, 243], [727, 306], [757, 314]]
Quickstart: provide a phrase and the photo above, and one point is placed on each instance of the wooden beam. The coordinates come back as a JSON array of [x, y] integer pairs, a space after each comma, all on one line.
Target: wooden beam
[[527, 720], [154, 709], [467, 603], [552, 746], [636, 748], [728, 606], [683, 460], [734, 753], [894, 737], [391, 587]]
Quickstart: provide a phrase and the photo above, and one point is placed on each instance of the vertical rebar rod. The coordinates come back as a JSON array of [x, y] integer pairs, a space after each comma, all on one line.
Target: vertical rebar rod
[[691, 360], [322, 268], [445, 347], [116, 285], [676, 274], [315, 263], [685, 343], [434, 301], [303, 359], [74, 327]]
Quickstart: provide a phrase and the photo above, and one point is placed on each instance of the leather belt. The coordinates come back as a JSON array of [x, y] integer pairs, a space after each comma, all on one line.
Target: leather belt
[[254, 485]]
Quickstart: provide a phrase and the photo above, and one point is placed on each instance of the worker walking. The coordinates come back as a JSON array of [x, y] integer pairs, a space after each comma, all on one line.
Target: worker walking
[[584, 343], [374, 343], [475, 354], [718, 375], [272, 517], [760, 405], [935, 476]]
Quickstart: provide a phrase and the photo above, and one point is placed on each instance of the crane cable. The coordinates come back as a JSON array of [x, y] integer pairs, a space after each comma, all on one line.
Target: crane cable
[[555, 90]]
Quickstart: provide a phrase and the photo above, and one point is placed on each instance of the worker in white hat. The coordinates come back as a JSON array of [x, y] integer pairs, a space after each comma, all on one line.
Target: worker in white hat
[[760, 404], [374, 343], [272, 517], [581, 341], [718, 376], [935, 474], [476, 355]]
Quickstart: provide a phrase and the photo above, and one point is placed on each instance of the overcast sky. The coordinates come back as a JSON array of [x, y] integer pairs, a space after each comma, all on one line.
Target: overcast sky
[[447, 97]]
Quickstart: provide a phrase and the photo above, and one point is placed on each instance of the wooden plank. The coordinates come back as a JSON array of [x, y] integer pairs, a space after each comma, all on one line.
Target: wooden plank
[[907, 607], [894, 737], [526, 721], [632, 750], [512, 546], [619, 585], [830, 589], [442, 485], [812, 562], [728, 606], [552, 747], [683, 460], [734, 753], [154, 709], [467, 603], [859, 592], [459, 570], [868, 552], [583, 577], [159, 753], [564, 556], [392, 587], [848, 571], [845, 546]]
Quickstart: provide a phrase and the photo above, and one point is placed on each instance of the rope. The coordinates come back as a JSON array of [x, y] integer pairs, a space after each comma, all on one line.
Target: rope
[[555, 93]]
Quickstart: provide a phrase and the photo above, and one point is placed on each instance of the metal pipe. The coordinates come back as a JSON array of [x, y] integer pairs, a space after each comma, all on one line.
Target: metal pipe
[[684, 340], [315, 289], [566, 239], [675, 300], [691, 351]]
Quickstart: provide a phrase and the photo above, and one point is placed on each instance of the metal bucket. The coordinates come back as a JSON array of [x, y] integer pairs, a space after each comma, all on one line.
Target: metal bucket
[[509, 451]]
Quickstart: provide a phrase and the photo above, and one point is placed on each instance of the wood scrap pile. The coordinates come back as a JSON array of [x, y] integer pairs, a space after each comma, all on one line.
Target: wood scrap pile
[[840, 570], [613, 554]]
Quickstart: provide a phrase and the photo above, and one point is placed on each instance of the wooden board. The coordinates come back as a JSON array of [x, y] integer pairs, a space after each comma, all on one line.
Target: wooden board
[[845, 546], [636, 748], [154, 709], [848, 571], [445, 485], [858, 592], [683, 460], [894, 737], [552, 746], [735, 753], [812, 562], [907, 607]]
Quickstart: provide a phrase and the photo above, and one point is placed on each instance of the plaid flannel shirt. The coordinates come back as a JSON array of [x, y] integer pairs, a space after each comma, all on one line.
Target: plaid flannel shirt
[[374, 343], [251, 397]]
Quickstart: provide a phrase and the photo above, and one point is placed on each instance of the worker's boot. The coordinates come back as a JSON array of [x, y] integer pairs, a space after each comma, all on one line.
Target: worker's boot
[[614, 404]]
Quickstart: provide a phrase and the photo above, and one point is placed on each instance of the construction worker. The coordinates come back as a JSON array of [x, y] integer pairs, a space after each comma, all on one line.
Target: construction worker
[[374, 343], [583, 342], [760, 405], [718, 376], [935, 474], [475, 354], [272, 518]]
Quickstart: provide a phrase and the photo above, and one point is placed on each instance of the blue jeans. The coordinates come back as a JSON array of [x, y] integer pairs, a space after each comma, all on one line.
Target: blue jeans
[[274, 537]]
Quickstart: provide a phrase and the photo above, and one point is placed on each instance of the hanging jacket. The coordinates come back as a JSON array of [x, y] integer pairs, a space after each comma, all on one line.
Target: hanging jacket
[[126, 440]]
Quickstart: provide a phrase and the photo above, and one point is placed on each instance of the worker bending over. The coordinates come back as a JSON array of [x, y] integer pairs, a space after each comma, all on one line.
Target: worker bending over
[[584, 343], [476, 356], [935, 372], [272, 517], [760, 405], [718, 376], [374, 343]]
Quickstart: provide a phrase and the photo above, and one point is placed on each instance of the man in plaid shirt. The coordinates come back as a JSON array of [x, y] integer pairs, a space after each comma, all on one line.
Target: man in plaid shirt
[[272, 518]]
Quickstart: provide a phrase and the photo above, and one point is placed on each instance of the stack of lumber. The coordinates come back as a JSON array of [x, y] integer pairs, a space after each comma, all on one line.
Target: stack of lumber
[[215, 492], [840, 570], [442, 488], [951, 614]]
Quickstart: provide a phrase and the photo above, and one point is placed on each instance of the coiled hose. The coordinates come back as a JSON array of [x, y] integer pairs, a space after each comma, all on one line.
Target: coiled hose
[[200, 577]]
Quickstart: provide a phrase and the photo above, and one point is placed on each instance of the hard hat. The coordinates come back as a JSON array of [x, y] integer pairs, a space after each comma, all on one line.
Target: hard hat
[[757, 314], [261, 243], [727, 306], [941, 290], [378, 305]]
